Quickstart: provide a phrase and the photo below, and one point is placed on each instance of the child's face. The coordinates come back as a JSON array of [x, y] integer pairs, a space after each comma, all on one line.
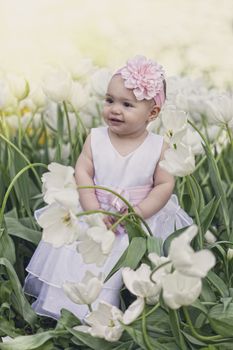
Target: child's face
[[123, 113]]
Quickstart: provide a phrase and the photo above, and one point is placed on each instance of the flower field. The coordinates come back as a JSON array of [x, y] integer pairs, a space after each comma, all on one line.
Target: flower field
[[177, 294]]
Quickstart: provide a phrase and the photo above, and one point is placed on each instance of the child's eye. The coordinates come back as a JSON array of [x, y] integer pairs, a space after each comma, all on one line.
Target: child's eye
[[127, 104], [108, 100]]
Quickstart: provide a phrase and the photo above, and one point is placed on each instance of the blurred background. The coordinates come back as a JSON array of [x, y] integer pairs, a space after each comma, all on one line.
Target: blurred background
[[191, 37]]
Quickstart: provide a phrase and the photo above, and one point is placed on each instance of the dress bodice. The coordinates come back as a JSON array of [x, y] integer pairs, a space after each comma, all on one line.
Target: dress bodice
[[114, 170]]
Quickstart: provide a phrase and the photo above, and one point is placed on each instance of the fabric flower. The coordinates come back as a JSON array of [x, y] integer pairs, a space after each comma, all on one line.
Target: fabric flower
[[144, 76], [95, 245], [185, 259], [179, 289], [86, 291], [138, 283], [104, 322]]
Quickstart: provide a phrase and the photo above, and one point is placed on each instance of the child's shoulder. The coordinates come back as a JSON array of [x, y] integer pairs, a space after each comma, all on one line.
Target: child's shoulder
[[98, 130]]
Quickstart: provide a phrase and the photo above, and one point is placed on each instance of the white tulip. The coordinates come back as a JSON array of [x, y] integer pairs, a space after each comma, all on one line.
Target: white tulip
[[209, 237], [19, 86], [134, 311], [221, 108], [38, 97], [100, 80], [185, 260], [56, 84], [230, 254], [60, 225], [162, 271], [95, 220], [179, 161], [105, 322], [78, 96], [6, 97], [96, 245], [93, 107], [193, 139], [59, 178], [86, 291], [138, 283], [80, 68], [175, 124], [180, 290]]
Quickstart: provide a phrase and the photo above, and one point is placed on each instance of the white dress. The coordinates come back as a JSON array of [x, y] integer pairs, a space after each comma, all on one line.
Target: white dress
[[132, 177]]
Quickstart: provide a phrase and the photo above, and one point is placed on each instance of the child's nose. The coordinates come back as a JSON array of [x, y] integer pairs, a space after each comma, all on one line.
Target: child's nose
[[116, 108]]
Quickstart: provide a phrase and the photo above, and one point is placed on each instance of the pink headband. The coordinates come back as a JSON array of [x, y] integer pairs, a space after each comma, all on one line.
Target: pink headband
[[145, 77]]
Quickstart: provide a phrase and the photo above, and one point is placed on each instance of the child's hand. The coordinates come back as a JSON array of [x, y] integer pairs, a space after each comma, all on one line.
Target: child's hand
[[109, 221]]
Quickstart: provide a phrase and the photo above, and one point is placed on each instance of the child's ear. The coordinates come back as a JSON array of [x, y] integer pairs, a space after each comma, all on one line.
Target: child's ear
[[154, 113]]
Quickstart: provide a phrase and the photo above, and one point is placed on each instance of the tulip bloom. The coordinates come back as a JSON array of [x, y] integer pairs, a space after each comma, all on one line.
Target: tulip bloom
[[138, 283], [57, 84], [60, 225], [179, 161], [104, 322], [185, 259], [86, 291], [180, 290], [96, 245]]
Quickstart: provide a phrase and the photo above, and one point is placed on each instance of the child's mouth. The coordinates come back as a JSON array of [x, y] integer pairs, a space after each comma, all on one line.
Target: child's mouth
[[115, 120]]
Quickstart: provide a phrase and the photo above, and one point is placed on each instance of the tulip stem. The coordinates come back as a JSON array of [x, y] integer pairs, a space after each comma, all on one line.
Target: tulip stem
[[229, 134], [69, 131], [175, 327], [89, 307], [157, 268], [108, 190], [23, 156], [194, 332], [154, 308], [144, 331], [128, 215], [200, 233], [26, 168]]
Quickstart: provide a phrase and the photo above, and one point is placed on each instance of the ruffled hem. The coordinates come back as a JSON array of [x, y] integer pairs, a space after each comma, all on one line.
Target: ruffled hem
[[50, 267]]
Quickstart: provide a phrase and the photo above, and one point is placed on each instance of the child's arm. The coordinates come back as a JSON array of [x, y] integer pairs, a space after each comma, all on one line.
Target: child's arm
[[160, 194], [84, 174]]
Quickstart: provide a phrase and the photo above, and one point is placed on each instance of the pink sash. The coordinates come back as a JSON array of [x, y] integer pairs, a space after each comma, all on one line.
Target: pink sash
[[134, 195]]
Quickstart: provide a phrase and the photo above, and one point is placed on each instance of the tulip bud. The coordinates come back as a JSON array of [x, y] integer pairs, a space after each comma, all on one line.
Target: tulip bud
[[230, 254]]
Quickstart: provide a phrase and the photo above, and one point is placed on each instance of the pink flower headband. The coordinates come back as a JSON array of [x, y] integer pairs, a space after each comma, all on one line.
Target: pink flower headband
[[145, 77]]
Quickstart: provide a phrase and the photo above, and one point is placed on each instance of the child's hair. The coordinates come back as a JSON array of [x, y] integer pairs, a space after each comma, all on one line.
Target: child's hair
[[146, 78]]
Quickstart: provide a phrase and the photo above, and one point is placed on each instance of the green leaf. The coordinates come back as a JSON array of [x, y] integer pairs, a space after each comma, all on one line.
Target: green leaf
[[218, 283], [132, 255], [222, 320], [126, 346], [29, 342], [191, 339], [20, 303], [155, 245], [67, 319], [93, 342], [208, 212], [216, 182], [15, 228], [7, 248], [207, 293], [198, 305], [135, 252], [134, 230]]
